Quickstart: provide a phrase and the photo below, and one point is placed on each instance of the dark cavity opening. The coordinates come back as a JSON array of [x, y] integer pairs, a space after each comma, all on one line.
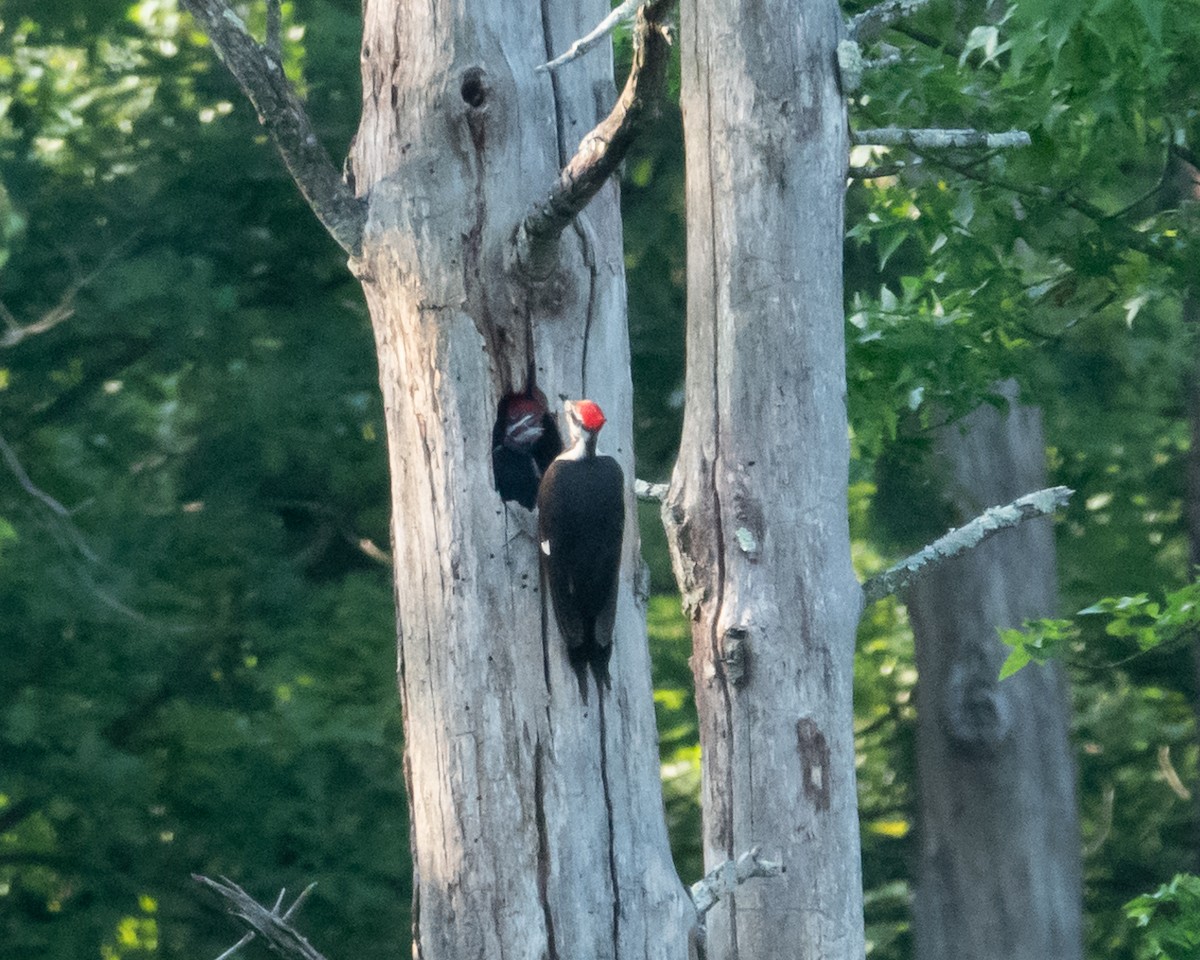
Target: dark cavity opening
[[474, 89]]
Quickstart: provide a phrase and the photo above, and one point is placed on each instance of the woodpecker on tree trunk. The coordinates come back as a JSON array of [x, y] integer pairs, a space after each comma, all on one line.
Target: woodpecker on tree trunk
[[525, 440], [581, 523]]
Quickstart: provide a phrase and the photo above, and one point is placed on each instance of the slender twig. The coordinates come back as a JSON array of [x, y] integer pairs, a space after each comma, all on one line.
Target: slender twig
[[65, 308], [585, 43], [967, 537], [652, 492], [62, 513], [270, 924], [603, 149], [722, 881], [69, 537], [869, 24], [281, 112], [935, 139], [246, 938]]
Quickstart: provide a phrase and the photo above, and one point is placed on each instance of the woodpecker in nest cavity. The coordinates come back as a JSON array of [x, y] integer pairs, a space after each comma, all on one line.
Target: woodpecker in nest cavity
[[581, 525], [525, 440]]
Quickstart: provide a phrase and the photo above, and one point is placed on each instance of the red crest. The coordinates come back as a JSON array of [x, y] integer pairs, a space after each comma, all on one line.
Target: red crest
[[590, 415]]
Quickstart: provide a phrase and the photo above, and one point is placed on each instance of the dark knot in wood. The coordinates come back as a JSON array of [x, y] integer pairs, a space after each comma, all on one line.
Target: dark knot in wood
[[977, 711]]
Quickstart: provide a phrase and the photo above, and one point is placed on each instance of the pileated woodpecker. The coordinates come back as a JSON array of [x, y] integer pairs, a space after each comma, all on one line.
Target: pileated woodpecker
[[581, 522], [525, 440]]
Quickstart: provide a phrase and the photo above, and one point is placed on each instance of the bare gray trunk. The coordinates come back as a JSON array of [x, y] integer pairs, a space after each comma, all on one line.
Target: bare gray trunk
[[538, 828], [757, 509], [999, 870]]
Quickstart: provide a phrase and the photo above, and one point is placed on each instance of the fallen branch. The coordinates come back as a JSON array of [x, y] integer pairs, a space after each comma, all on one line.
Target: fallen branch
[[602, 150], [585, 43], [260, 75], [722, 881], [869, 24], [936, 139], [273, 926], [967, 537]]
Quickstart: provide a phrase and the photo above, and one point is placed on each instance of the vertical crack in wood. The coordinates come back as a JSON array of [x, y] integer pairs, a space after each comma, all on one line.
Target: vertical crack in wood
[[588, 249], [543, 852], [608, 809], [474, 256], [719, 597], [560, 133]]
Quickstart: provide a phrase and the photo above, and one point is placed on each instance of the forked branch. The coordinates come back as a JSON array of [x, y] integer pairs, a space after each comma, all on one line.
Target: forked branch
[[270, 924], [967, 537], [585, 43], [260, 75], [603, 149]]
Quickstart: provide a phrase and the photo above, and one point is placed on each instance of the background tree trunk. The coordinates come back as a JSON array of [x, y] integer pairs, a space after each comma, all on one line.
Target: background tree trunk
[[757, 511], [538, 828], [999, 870]]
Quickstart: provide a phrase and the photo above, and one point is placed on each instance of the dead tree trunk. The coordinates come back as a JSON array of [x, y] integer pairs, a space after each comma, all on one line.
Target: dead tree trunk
[[537, 819], [999, 870], [757, 508]]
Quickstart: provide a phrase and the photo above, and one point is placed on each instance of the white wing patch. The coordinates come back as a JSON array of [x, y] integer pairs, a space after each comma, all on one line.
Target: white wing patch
[[546, 547]]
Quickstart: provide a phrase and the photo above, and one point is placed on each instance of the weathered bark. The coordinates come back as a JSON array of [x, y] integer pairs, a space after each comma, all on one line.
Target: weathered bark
[[538, 828], [757, 508], [999, 868]]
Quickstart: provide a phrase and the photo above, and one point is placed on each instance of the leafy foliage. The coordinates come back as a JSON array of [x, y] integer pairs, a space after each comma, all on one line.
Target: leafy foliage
[[1170, 918]]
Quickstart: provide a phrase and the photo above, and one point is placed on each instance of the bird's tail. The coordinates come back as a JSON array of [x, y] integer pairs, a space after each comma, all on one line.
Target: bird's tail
[[591, 654]]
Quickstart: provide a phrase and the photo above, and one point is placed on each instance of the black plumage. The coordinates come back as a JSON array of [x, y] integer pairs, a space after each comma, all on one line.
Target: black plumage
[[525, 441], [581, 524]]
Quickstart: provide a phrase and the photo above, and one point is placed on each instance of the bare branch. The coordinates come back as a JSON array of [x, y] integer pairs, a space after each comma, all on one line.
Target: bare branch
[[61, 512], [722, 881], [261, 78], [869, 24], [935, 139], [606, 26], [602, 150], [967, 537], [64, 309], [69, 537], [274, 928], [650, 492], [246, 938]]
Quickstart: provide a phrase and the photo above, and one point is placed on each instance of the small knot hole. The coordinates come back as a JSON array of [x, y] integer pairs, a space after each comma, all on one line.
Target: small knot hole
[[474, 88]]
